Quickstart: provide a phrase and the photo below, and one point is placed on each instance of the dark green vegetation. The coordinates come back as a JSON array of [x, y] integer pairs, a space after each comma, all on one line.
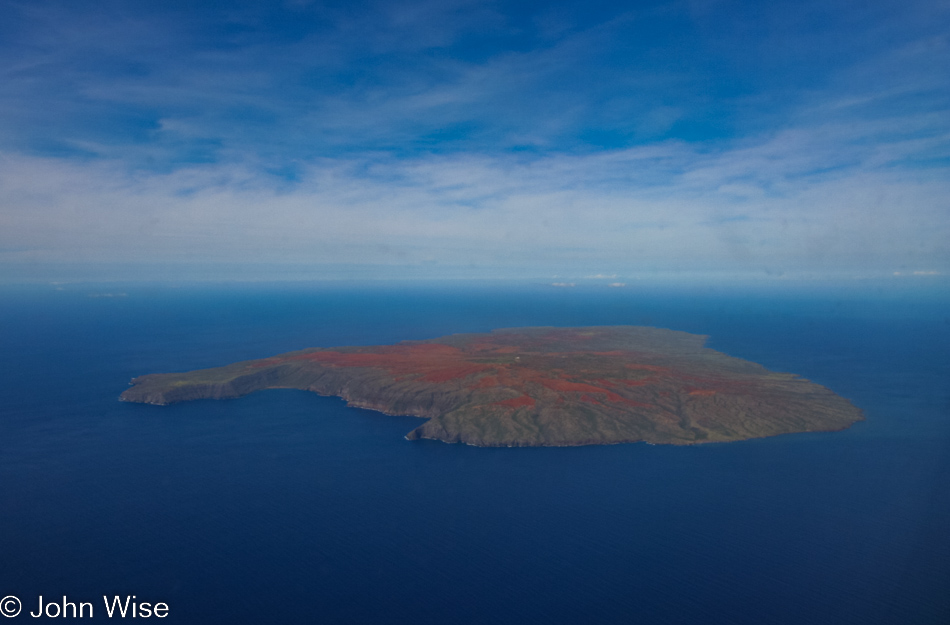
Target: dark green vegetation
[[539, 386]]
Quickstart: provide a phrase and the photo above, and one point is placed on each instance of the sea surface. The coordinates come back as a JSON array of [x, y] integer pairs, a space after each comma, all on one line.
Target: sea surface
[[287, 507]]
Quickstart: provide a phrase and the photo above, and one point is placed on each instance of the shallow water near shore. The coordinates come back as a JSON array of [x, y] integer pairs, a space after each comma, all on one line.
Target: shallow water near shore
[[288, 507]]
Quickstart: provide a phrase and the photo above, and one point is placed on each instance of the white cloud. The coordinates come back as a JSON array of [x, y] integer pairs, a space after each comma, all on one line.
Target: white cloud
[[658, 207], [847, 168]]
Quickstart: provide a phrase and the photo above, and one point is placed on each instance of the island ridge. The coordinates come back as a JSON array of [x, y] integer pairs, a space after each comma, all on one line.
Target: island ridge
[[539, 386]]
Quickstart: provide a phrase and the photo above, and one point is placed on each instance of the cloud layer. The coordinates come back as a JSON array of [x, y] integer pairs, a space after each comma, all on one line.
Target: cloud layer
[[669, 136]]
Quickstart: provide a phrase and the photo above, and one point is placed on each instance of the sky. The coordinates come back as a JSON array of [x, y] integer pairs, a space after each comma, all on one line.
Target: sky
[[455, 138]]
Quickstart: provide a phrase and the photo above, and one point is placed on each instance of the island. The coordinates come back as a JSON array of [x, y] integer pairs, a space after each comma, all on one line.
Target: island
[[542, 386]]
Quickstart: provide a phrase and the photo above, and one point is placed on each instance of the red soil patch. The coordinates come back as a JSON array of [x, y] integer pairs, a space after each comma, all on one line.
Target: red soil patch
[[439, 363], [488, 381], [436, 362], [516, 402], [570, 387]]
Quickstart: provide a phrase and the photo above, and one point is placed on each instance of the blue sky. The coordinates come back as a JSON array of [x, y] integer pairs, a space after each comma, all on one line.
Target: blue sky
[[447, 138]]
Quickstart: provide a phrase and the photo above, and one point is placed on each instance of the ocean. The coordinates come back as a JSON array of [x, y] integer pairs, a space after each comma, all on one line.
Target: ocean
[[287, 507]]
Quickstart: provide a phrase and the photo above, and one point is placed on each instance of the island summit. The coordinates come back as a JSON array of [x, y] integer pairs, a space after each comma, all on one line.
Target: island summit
[[539, 387]]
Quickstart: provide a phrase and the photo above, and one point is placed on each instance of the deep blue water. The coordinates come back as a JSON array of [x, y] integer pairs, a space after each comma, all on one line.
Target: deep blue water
[[286, 507]]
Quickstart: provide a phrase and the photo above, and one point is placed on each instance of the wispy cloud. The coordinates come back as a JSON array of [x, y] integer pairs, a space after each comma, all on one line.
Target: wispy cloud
[[171, 87], [686, 135], [801, 204]]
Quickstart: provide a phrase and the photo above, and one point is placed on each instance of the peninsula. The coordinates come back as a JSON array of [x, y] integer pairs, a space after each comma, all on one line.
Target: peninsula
[[539, 386]]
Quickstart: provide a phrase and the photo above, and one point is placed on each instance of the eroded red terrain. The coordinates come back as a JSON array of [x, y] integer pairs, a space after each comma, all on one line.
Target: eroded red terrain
[[541, 386], [527, 368]]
